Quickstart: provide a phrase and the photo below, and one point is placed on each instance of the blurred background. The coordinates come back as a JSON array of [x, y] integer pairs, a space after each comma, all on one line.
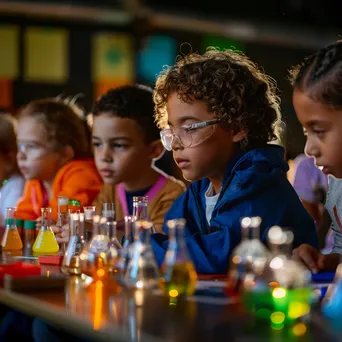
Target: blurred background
[[87, 46]]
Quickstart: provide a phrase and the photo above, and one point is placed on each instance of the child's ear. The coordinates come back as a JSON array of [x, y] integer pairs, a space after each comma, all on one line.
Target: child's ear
[[156, 149], [68, 154], [238, 136]]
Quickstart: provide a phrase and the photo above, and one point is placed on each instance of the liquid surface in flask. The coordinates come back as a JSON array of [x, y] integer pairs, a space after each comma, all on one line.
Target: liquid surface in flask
[[11, 239]]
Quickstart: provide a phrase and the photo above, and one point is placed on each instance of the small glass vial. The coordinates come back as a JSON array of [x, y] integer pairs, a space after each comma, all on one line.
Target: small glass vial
[[11, 239]]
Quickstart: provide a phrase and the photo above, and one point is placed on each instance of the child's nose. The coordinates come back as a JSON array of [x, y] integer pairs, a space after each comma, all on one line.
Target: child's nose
[[311, 149]]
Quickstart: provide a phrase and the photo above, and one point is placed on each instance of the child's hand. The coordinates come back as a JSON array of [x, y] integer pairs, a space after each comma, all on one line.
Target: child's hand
[[61, 233], [309, 256], [328, 262]]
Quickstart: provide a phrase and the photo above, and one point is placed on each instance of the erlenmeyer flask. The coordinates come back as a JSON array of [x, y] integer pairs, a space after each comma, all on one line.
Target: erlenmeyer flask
[[249, 256], [45, 241], [71, 264], [179, 275], [140, 210], [112, 233], [142, 271], [11, 239], [281, 292], [98, 258]]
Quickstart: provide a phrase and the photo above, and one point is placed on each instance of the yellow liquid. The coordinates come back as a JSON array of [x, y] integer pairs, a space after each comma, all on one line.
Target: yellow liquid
[[178, 279], [45, 242], [11, 240]]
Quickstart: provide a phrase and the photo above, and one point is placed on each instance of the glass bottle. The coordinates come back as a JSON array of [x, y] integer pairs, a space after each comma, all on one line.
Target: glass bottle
[[98, 258], [281, 292], [29, 236], [249, 256], [46, 240], [128, 239], [140, 210], [142, 271], [11, 239], [89, 212], [179, 274], [108, 211], [71, 264]]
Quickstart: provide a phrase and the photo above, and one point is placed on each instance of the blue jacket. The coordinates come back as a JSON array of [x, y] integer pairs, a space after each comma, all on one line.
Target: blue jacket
[[254, 184]]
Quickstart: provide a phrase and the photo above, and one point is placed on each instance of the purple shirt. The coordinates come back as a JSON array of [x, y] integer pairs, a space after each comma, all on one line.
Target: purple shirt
[[309, 181]]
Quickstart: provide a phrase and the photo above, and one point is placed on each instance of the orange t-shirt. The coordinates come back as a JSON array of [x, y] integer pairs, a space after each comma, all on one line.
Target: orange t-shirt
[[78, 180]]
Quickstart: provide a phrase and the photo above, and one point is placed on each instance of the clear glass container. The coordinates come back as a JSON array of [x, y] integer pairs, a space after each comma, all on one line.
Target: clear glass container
[[140, 210], [11, 239], [46, 240], [142, 271], [98, 258], [178, 272], [71, 262], [281, 293], [89, 213], [250, 256], [128, 239]]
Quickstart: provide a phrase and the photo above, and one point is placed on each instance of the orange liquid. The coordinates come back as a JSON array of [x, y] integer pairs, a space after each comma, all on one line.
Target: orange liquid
[[11, 240]]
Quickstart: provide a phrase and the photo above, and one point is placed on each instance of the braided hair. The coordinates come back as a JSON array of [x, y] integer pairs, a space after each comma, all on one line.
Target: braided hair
[[320, 75]]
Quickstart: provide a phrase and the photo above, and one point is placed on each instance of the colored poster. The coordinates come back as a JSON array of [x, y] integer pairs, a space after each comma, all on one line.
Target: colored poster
[[9, 52], [112, 58], [158, 52], [222, 43], [46, 55]]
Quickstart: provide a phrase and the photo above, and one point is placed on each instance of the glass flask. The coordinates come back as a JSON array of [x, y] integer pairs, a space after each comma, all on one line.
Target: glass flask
[[89, 212], [45, 241], [332, 303], [71, 262], [140, 210], [112, 233], [249, 256], [178, 272], [142, 270], [11, 239], [98, 258], [281, 292], [128, 239]]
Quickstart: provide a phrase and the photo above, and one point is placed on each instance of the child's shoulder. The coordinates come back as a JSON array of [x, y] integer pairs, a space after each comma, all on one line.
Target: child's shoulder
[[77, 165], [170, 185]]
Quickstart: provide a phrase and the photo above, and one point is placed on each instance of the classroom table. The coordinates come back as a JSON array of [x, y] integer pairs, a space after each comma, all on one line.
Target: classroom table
[[106, 313], [103, 312]]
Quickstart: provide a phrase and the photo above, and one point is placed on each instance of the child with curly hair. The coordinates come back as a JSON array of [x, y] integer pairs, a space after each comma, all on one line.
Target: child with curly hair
[[218, 113]]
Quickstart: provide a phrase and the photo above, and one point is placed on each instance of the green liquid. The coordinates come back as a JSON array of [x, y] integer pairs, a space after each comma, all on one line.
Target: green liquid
[[278, 306]]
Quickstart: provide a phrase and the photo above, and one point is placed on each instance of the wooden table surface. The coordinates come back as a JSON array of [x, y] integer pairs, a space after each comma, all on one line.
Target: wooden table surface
[[104, 311]]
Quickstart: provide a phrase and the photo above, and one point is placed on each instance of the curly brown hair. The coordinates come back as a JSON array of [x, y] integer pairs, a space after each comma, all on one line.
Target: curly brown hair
[[233, 87], [63, 122]]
